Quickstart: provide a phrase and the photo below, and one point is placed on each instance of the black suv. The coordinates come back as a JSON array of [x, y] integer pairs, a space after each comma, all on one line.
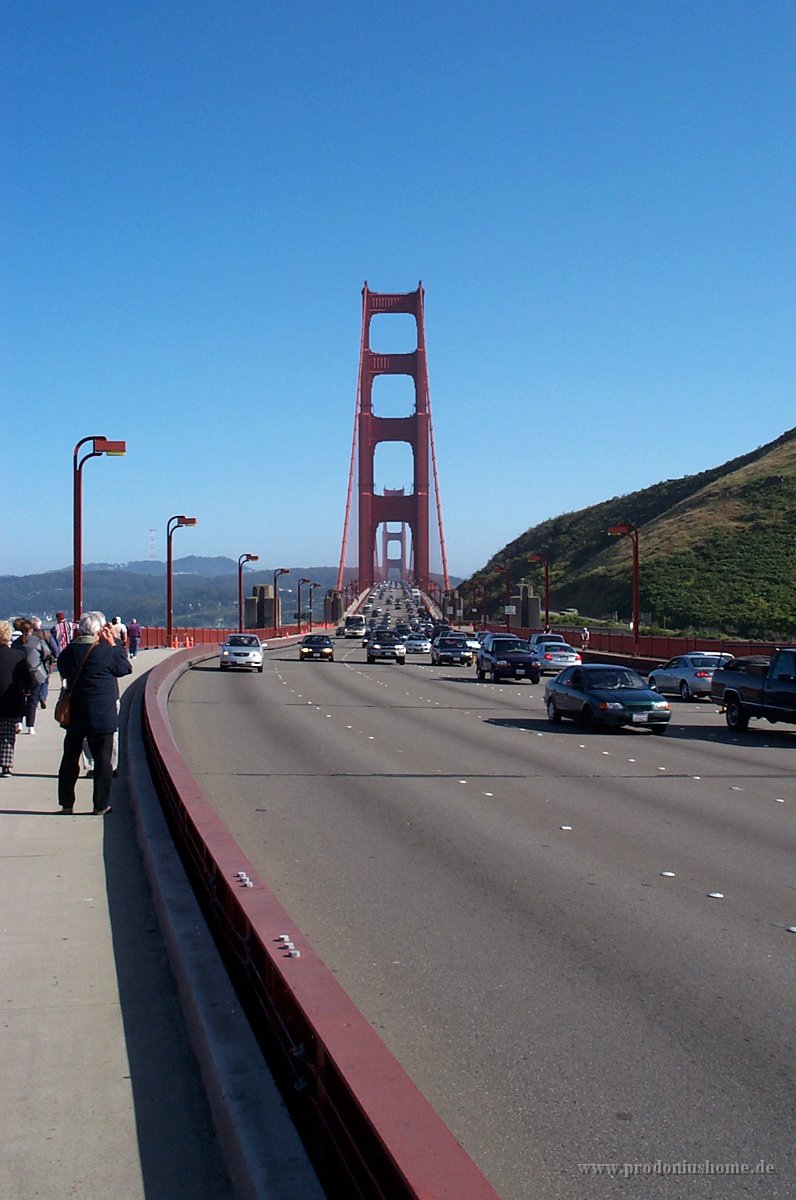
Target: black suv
[[503, 656]]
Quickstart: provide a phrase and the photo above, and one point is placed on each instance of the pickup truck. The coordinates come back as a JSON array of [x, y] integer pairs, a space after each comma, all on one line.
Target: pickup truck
[[757, 687]]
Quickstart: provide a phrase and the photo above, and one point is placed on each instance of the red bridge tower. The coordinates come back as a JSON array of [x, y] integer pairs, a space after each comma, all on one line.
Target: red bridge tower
[[394, 506]]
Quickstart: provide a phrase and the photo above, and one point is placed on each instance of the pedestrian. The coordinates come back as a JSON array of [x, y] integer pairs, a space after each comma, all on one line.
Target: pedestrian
[[39, 656], [134, 632], [14, 683], [90, 666], [120, 631], [62, 631], [45, 635], [584, 638]]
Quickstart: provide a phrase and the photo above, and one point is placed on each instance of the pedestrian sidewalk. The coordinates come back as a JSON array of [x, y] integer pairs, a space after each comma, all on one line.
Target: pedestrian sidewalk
[[101, 1092]]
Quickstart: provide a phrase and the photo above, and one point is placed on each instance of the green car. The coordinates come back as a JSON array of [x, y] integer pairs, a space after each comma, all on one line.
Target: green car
[[604, 694]]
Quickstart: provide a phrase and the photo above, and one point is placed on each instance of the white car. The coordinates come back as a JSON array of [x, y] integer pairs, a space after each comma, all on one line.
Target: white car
[[689, 674], [417, 643], [242, 650]]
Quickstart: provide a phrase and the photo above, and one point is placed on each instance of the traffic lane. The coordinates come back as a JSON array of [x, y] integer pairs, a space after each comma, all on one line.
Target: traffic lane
[[680, 830], [482, 901]]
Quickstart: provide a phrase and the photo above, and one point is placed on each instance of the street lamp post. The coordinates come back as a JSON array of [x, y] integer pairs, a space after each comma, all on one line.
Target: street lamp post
[[507, 604], [244, 558], [277, 573], [632, 533], [303, 579], [178, 522], [542, 558], [312, 588], [99, 445]]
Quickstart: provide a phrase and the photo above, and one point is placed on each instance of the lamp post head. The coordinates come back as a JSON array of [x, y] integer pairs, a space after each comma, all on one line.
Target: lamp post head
[[619, 530], [540, 558], [282, 571], [305, 579], [104, 446], [187, 521]]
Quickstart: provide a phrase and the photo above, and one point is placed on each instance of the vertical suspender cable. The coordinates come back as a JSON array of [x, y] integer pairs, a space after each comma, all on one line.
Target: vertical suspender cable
[[344, 546]]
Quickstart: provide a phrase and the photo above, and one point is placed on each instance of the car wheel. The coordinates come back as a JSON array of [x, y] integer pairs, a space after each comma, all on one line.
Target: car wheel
[[535, 678], [480, 675], [371, 659], [553, 715], [222, 666], [651, 683], [587, 718], [259, 670], [737, 720], [494, 676], [400, 662], [685, 691], [659, 728]]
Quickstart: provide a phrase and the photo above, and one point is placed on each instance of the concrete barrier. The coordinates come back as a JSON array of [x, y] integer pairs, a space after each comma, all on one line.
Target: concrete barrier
[[370, 1133]]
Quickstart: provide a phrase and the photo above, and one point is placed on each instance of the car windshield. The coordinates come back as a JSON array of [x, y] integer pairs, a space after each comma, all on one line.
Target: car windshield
[[316, 639], [507, 645], [241, 639], [614, 677], [709, 661]]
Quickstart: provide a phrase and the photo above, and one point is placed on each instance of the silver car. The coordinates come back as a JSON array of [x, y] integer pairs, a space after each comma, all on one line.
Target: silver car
[[243, 650], [554, 656], [417, 643], [688, 675]]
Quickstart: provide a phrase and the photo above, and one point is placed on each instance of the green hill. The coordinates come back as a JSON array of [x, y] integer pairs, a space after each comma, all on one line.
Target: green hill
[[717, 550]]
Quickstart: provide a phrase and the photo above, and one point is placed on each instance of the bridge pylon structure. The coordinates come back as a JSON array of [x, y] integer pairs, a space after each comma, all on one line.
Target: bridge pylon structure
[[389, 539], [394, 506]]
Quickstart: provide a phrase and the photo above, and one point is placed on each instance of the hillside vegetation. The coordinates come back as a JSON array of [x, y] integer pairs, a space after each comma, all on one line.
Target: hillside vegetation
[[717, 550]]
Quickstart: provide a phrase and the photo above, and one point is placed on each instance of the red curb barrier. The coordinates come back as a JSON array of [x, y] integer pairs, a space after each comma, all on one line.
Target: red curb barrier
[[370, 1132]]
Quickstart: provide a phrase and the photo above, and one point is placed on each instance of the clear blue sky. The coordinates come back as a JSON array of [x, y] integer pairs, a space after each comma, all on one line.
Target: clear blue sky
[[598, 198]]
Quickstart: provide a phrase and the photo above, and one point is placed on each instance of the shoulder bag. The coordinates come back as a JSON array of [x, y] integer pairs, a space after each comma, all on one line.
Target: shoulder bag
[[63, 705]]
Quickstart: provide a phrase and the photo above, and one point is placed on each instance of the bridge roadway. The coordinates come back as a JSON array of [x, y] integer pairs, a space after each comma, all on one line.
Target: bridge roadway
[[558, 999]]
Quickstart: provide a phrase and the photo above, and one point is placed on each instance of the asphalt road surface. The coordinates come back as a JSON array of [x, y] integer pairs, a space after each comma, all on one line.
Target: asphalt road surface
[[491, 892]]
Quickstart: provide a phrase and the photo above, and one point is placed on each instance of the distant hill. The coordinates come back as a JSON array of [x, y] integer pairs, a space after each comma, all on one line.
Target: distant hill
[[717, 550], [205, 590]]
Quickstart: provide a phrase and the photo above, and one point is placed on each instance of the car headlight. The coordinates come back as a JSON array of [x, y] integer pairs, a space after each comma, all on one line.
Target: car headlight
[[660, 704], [225, 653], [611, 705], [501, 662]]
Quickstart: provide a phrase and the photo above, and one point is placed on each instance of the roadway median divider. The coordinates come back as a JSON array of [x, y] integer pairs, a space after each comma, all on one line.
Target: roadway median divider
[[369, 1131]]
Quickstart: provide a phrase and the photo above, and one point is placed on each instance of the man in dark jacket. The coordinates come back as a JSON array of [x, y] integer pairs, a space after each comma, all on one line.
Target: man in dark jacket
[[90, 666], [14, 685]]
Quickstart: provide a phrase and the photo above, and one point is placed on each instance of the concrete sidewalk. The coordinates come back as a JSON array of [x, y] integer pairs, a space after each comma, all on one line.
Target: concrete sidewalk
[[102, 1092]]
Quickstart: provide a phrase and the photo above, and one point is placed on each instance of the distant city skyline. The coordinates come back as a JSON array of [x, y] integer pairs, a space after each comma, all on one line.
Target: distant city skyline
[[597, 199]]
